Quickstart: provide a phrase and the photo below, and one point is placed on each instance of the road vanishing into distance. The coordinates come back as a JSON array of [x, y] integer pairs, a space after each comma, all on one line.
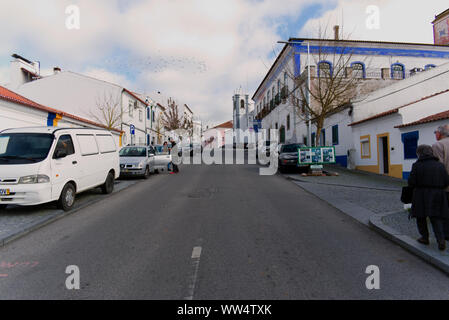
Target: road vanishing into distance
[[212, 232]]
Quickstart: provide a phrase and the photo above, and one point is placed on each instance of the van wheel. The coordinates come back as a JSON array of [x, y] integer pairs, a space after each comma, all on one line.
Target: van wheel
[[67, 198], [108, 185], [147, 173]]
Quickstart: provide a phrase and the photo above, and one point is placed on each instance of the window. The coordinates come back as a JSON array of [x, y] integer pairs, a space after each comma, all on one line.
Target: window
[[285, 80], [279, 86], [397, 71], [430, 66], [276, 126], [140, 115], [288, 122], [242, 104], [88, 144], [410, 141], [335, 135], [131, 108], [365, 147], [148, 113], [152, 116], [313, 137], [106, 143], [358, 69], [65, 144], [324, 69]]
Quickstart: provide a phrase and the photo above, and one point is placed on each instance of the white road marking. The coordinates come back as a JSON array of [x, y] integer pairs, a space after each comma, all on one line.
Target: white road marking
[[196, 255]]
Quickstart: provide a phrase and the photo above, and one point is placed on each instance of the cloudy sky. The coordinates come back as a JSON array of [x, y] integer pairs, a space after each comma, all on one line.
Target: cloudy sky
[[198, 51]]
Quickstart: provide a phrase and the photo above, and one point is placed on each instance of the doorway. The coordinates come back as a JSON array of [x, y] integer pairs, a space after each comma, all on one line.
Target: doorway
[[383, 154], [282, 134]]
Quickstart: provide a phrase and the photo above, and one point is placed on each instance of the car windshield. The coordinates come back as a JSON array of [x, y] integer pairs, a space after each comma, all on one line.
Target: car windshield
[[133, 152], [23, 148], [291, 148]]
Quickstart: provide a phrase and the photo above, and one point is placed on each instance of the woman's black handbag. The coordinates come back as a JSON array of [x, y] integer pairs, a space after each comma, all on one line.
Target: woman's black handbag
[[407, 194]]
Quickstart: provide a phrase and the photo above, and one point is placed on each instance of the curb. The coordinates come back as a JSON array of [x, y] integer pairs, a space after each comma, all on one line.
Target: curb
[[436, 258], [58, 214], [374, 222]]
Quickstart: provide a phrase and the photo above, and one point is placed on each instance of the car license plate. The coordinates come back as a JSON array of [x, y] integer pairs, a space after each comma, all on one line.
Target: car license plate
[[4, 192]]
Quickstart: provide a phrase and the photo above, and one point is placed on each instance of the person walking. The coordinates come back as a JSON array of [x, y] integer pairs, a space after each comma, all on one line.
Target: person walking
[[165, 147], [429, 179], [175, 168], [441, 151]]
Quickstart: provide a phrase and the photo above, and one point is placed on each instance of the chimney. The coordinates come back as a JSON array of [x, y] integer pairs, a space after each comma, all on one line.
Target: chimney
[[336, 32], [56, 70]]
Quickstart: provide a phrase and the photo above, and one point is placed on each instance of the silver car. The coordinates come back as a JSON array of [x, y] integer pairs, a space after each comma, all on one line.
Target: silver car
[[162, 158], [136, 161]]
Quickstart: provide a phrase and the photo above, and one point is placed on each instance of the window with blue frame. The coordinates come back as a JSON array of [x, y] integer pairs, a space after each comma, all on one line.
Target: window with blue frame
[[397, 71], [410, 141], [313, 139], [324, 69], [429, 66], [335, 135], [148, 113]]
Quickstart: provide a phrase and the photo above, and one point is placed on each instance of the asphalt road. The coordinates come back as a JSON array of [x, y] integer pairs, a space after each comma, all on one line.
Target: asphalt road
[[256, 237]]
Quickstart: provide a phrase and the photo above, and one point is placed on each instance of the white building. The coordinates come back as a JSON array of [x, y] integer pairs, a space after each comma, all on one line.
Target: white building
[[85, 96], [243, 116], [216, 137], [377, 64], [390, 123], [17, 112]]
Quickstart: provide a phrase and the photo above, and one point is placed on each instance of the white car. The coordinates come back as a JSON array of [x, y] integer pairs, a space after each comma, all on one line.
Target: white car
[[39, 165]]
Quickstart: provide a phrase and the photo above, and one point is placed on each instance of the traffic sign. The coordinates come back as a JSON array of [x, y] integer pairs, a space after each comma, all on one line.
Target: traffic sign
[[132, 129]]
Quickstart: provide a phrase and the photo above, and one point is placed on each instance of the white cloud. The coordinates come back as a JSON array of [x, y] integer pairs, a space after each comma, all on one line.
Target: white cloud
[[400, 20], [198, 51]]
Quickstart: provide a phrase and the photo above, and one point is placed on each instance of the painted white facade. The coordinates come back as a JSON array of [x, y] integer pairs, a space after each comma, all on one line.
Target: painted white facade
[[378, 59], [79, 94], [411, 100], [17, 115]]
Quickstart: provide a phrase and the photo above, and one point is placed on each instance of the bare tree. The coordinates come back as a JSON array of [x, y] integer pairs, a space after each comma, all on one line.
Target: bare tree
[[108, 111], [171, 119], [332, 87]]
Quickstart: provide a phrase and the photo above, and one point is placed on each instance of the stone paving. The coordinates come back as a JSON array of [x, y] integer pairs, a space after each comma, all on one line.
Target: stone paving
[[379, 194], [16, 219]]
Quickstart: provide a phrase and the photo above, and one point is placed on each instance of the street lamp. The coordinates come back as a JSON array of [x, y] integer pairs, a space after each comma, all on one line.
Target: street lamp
[[309, 129]]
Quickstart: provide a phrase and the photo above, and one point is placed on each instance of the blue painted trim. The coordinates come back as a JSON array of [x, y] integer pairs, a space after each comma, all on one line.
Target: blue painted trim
[[397, 64], [405, 175], [302, 48], [410, 135], [363, 65], [429, 66], [330, 67], [342, 160], [443, 54], [50, 118], [297, 65]]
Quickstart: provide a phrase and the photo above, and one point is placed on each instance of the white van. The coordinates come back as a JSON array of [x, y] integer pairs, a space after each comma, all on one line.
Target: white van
[[39, 165]]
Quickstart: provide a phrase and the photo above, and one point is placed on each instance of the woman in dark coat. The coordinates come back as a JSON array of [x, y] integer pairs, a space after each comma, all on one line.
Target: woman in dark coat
[[429, 180]]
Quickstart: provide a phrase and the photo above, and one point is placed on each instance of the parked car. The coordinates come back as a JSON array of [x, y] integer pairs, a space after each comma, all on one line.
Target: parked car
[[288, 157], [136, 161], [39, 165], [162, 160]]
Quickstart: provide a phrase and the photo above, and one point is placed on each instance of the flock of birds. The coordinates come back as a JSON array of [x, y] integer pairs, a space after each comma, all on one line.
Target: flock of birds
[[159, 64]]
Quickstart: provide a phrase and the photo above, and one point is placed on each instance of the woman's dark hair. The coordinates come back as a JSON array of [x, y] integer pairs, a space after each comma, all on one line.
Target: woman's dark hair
[[424, 150]]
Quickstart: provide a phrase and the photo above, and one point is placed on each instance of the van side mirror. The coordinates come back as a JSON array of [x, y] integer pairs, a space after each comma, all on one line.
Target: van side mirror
[[59, 154]]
